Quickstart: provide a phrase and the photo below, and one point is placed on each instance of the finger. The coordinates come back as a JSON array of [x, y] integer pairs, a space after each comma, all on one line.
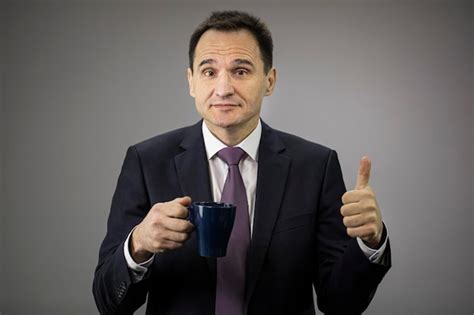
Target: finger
[[175, 210], [354, 221], [178, 225], [365, 232], [352, 196], [364, 173], [183, 212], [178, 237], [362, 232], [167, 245], [350, 209], [184, 201]]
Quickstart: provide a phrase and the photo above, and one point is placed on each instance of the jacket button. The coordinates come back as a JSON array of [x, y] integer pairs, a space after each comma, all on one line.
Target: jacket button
[[121, 289]]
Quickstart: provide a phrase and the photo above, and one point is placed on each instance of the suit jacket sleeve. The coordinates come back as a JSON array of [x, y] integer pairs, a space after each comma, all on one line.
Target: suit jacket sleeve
[[346, 280], [113, 289]]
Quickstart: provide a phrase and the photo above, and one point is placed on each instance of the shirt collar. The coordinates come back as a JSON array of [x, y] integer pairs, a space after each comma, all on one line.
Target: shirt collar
[[249, 144]]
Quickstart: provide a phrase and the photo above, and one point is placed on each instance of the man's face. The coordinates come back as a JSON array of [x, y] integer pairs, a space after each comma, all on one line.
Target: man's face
[[228, 82]]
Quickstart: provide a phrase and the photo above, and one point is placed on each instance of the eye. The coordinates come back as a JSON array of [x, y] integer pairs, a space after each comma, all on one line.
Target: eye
[[241, 72], [208, 72]]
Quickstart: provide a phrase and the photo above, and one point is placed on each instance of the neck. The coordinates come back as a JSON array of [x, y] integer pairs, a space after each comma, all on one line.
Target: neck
[[233, 135]]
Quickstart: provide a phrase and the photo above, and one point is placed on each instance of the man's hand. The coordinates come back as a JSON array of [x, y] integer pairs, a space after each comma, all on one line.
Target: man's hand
[[164, 228], [360, 211]]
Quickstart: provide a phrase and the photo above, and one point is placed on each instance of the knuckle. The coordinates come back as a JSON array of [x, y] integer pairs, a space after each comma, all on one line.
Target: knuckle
[[343, 210], [344, 198], [189, 227], [356, 221], [371, 207], [345, 220], [374, 217], [183, 212], [156, 245], [158, 218], [186, 236], [351, 232], [348, 197], [157, 207], [364, 205], [158, 238], [369, 218], [373, 204], [156, 233], [177, 211], [166, 223], [180, 225], [182, 237]]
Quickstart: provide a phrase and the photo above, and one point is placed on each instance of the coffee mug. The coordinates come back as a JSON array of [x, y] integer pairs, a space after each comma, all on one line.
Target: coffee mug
[[213, 222]]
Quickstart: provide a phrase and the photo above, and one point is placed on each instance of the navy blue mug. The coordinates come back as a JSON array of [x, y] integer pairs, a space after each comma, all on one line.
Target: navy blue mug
[[214, 222]]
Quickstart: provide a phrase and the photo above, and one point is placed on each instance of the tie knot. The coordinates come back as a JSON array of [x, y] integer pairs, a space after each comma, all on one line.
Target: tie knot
[[231, 155]]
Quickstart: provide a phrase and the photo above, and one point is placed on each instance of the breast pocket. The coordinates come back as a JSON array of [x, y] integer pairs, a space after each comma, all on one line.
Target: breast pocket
[[292, 222]]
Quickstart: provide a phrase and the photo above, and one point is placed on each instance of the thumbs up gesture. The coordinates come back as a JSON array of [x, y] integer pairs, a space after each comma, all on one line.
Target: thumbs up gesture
[[360, 211]]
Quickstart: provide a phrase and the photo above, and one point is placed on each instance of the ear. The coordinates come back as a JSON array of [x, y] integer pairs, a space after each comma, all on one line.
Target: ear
[[270, 81], [190, 82]]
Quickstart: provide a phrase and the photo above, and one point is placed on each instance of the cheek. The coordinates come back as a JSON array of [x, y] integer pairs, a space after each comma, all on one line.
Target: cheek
[[203, 91], [198, 99], [254, 96]]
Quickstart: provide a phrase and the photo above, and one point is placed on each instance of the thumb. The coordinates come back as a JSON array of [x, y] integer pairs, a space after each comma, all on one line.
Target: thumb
[[364, 173], [184, 201]]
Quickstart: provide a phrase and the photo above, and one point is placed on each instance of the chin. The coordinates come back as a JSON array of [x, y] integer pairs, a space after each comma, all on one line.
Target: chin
[[225, 122], [225, 125]]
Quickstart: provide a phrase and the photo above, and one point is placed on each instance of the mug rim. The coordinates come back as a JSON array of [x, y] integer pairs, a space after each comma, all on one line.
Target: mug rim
[[213, 204]]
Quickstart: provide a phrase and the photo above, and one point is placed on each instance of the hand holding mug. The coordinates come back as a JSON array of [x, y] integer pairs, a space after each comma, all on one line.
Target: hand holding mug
[[165, 227]]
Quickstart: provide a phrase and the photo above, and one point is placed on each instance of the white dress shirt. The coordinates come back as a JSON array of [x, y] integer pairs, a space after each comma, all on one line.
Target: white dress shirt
[[248, 165], [218, 169]]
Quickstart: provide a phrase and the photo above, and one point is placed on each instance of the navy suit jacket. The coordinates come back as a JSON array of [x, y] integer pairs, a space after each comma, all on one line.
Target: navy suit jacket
[[298, 236]]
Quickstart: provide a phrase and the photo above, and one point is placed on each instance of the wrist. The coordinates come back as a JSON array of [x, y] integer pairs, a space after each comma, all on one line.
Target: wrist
[[377, 241], [374, 244], [138, 253]]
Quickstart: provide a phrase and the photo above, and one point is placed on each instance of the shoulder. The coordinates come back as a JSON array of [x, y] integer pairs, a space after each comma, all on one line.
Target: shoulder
[[307, 157], [168, 144], [296, 146]]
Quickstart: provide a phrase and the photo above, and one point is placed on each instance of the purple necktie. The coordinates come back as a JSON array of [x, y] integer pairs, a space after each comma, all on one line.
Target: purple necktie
[[230, 289]]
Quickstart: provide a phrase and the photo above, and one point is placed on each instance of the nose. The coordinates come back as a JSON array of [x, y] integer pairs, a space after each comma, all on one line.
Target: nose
[[224, 86]]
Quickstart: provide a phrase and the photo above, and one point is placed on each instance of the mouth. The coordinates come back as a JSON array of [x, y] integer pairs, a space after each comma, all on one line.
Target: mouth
[[224, 106]]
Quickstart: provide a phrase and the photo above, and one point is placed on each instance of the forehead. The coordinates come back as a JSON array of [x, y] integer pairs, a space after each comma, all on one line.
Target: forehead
[[233, 44]]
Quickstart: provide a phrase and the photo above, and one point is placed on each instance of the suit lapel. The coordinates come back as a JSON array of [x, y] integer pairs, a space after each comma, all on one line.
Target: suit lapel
[[273, 167], [192, 168]]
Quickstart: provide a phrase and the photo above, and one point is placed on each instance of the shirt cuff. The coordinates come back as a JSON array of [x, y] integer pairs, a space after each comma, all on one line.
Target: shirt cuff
[[374, 255], [137, 271]]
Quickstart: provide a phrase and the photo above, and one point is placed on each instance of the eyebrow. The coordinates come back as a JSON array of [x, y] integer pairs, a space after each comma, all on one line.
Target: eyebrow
[[206, 62], [239, 62], [236, 62]]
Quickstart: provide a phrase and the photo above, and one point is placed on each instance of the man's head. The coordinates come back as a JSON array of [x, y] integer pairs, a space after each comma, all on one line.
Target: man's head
[[228, 75], [231, 21]]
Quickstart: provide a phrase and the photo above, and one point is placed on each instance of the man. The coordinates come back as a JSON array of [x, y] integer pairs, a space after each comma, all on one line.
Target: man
[[301, 228]]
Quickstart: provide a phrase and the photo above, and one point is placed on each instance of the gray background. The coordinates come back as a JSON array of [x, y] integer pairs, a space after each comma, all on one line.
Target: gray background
[[81, 81]]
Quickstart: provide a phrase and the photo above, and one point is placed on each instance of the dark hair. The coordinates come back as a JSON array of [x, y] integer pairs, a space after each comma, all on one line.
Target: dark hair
[[229, 21]]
